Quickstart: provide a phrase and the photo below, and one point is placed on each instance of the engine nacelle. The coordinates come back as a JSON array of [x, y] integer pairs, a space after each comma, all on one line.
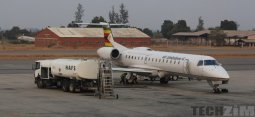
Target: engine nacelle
[[109, 53]]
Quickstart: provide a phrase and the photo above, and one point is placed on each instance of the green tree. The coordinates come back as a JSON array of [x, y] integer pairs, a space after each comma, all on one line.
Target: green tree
[[121, 17], [228, 25], [217, 36], [148, 32], [114, 16], [123, 14], [166, 27], [96, 19], [79, 14], [180, 26], [200, 25], [14, 32]]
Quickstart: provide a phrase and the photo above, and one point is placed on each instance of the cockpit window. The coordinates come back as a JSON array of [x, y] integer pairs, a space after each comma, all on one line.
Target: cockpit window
[[200, 63], [210, 62]]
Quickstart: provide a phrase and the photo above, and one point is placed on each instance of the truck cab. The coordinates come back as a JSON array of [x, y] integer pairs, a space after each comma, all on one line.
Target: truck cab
[[42, 69]]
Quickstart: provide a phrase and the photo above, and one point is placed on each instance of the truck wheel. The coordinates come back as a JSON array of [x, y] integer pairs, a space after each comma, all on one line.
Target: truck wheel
[[72, 86], [65, 86], [163, 80], [40, 83]]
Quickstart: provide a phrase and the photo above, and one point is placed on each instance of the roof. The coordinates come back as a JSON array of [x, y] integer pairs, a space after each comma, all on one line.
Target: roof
[[194, 34], [239, 34], [77, 32], [248, 40], [229, 33], [128, 32], [98, 32]]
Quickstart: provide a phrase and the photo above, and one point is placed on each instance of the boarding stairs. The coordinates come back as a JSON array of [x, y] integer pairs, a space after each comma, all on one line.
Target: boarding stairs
[[106, 83]]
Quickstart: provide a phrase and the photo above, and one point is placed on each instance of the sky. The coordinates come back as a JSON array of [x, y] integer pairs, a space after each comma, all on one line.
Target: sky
[[142, 13]]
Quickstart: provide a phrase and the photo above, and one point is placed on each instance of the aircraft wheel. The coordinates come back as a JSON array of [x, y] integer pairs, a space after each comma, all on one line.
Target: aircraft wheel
[[217, 90], [224, 90]]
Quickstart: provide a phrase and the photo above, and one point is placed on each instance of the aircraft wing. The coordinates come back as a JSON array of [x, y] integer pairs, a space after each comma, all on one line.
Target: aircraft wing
[[134, 70]]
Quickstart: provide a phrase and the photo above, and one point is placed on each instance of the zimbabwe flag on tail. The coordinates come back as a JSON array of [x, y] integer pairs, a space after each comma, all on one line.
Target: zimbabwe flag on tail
[[107, 31]]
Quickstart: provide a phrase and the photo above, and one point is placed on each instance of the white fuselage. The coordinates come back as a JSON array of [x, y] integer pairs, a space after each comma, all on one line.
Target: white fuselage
[[168, 63]]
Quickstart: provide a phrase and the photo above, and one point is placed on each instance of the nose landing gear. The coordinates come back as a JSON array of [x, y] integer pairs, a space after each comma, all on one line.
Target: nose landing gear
[[215, 86], [218, 90]]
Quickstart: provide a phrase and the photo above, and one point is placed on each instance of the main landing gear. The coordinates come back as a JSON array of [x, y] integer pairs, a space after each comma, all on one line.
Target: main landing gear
[[220, 90]]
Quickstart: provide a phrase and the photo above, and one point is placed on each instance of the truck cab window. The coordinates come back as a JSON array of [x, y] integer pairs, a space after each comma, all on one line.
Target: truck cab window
[[37, 65]]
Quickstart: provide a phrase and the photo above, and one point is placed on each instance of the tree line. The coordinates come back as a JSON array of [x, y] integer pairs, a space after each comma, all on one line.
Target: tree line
[[121, 16]]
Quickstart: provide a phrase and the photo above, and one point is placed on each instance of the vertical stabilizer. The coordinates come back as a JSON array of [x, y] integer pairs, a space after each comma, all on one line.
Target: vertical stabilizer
[[109, 41]]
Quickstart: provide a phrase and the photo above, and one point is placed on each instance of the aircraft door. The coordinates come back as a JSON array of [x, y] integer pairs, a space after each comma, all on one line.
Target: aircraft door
[[145, 59], [199, 69], [186, 67]]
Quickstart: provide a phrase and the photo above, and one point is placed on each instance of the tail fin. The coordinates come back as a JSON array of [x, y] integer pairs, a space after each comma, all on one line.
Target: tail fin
[[107, 32], [109, 42]]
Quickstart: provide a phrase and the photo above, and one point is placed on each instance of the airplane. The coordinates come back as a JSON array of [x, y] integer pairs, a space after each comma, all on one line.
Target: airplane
[[26, 38], [158, 64]]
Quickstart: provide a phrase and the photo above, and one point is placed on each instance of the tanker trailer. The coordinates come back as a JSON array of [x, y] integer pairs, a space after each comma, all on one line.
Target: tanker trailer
[[69, 74]]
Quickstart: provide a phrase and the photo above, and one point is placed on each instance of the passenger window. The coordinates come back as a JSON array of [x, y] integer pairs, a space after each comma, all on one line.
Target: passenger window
[[200, 63]]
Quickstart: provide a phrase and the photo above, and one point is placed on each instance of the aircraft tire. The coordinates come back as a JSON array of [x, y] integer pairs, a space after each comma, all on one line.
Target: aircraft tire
[[217, 90], [224, 90]]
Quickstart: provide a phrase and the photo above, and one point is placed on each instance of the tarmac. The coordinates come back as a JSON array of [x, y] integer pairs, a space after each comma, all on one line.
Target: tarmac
[[21, 98]]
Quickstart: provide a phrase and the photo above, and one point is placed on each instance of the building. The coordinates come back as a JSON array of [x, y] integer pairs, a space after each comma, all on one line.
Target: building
[[194, 38], [89, 37], [233, 37]]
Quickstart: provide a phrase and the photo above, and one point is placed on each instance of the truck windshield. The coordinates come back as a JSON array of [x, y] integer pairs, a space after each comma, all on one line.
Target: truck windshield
[[210, 62]]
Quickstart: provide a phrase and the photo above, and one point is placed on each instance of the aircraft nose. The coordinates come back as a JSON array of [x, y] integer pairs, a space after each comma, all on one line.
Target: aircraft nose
[[223, 73]]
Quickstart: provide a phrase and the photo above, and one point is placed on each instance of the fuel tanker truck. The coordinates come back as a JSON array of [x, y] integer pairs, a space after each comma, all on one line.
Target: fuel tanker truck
[[71, 75]]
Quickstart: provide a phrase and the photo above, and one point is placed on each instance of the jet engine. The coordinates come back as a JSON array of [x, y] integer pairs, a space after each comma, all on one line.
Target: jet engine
[[115, 54], [109, 53]]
